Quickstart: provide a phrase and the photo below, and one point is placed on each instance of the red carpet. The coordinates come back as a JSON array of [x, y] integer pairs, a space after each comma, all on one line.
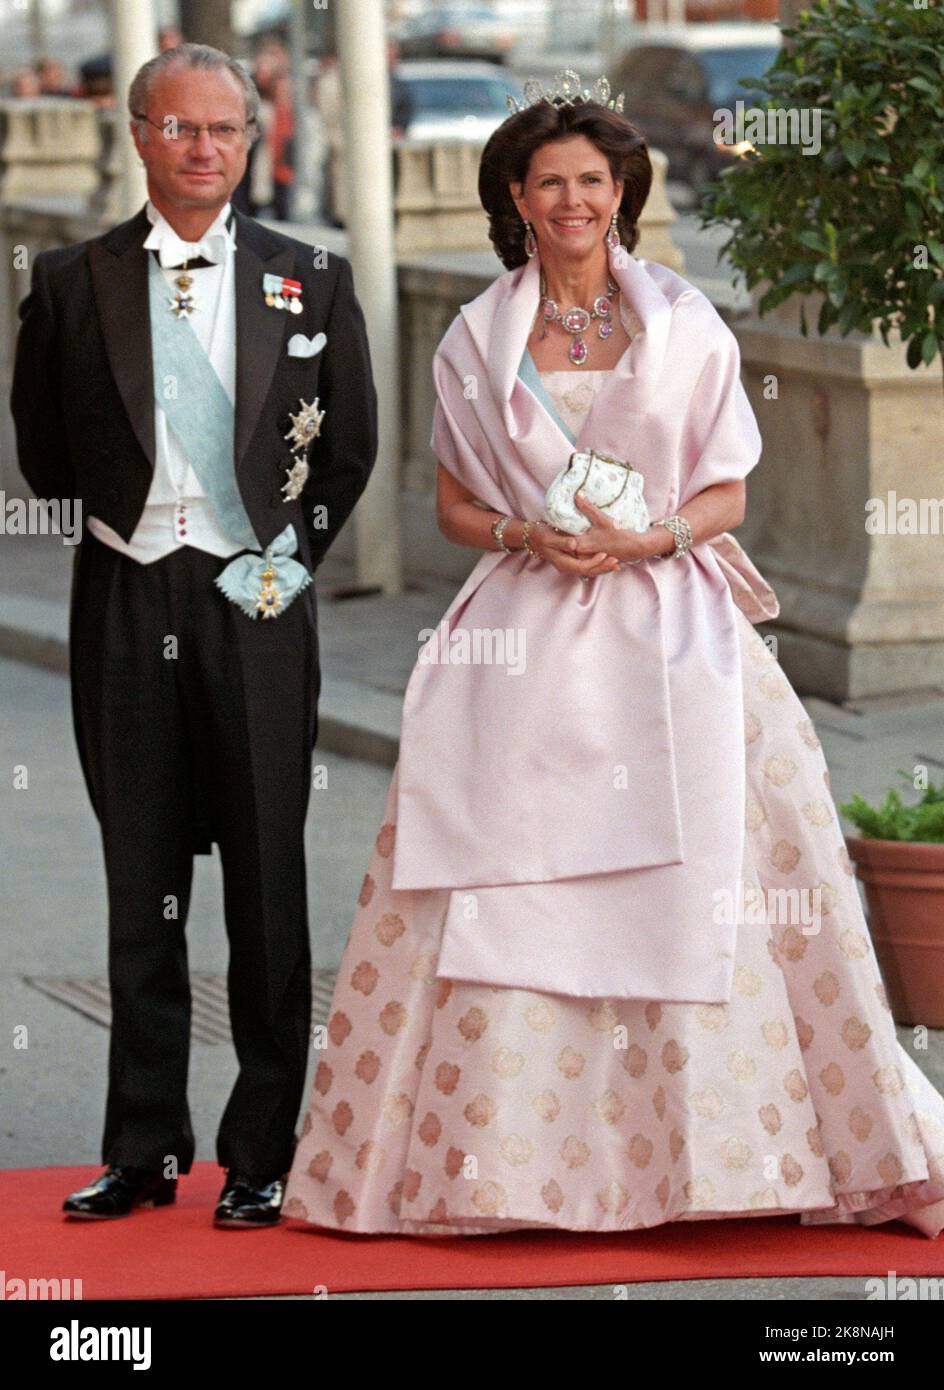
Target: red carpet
[[175, 1252]]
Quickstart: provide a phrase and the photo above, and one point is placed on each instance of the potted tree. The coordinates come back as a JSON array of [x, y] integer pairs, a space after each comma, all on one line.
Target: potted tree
[[899, 856]]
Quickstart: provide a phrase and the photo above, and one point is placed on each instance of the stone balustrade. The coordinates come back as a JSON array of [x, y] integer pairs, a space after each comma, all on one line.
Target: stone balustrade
[[49, 146]]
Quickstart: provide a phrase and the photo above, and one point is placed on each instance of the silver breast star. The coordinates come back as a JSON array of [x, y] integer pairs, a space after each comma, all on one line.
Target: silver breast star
[[306, 425], [296, 479]]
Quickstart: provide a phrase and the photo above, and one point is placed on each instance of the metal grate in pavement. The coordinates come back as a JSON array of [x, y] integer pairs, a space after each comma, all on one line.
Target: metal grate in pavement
[[210, 1017]]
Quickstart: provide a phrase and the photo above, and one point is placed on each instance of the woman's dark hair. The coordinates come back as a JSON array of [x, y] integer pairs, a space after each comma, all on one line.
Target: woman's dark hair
[[507, 158]]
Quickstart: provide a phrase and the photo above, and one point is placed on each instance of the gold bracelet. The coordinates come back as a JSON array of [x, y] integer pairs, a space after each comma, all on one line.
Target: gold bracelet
[[525, 536]]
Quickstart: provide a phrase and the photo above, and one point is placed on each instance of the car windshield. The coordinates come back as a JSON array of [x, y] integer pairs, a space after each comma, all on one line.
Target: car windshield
[[440, 19], [723, 67], [463, 96]]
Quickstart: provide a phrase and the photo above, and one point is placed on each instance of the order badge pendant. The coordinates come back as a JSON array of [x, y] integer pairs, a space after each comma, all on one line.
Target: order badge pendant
[[269, 602], [183, 303]]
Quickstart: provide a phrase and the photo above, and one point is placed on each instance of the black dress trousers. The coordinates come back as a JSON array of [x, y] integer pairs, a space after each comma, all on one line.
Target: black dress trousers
[[195, 723]]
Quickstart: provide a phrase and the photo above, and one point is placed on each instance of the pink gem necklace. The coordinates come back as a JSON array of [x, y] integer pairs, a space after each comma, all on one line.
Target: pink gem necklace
[[576, 321]]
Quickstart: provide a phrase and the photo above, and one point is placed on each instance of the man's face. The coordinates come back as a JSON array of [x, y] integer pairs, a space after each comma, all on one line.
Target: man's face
[[188, 173]]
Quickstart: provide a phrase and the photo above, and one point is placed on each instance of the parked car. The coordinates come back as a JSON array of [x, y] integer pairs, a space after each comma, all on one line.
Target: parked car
[[456, 31], [450, 100], [676, 78]]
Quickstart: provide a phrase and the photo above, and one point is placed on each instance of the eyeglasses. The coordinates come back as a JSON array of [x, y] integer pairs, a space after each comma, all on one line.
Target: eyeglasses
[[220, 132]]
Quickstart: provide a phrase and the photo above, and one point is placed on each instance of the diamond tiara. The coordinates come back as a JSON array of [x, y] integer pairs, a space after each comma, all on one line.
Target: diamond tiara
[[566, 91]]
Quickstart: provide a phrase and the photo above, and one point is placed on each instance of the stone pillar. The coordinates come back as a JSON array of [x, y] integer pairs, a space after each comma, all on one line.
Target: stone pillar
[[362, 50], [134, 41]]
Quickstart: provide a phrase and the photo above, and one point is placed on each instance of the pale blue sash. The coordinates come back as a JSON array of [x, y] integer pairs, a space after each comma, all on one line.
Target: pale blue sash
[[528, 372], [202, 417]]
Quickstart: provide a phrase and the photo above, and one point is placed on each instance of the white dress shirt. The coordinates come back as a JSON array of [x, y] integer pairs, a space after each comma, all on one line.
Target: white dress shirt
[[177, 511]]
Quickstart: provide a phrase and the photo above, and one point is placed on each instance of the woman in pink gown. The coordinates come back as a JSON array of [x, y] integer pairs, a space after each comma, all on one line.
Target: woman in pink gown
[[609, 966]]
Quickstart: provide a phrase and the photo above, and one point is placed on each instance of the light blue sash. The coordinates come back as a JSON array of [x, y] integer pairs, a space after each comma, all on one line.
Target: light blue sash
[[528, 372], [202, 417]]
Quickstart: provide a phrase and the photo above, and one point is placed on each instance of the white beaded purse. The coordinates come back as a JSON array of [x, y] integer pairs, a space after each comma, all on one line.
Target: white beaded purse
[[610, 484]]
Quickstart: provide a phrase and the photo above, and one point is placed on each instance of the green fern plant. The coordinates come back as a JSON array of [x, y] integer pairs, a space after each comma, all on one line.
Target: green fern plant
[[893, 820]]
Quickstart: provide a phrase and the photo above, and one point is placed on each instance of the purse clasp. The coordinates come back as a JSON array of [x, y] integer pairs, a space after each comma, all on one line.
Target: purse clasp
[[603, 458]]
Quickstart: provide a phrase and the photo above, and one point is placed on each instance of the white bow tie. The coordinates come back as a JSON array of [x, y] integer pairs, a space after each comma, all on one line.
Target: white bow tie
[[172, 251]]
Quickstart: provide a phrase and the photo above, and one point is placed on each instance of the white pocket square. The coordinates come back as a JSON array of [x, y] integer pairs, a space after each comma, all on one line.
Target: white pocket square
[[300, 346]]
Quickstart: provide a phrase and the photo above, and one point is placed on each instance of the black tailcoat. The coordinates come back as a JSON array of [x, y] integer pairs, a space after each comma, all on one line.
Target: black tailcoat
[[216, 743]]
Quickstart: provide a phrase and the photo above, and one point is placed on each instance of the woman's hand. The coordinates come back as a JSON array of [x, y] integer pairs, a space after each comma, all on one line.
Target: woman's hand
[[604, 535], [561, 550]]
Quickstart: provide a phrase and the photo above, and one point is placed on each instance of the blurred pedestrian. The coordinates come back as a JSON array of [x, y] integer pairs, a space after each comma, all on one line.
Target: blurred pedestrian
[[26, 83], [255, 191], [96, 83], [281, 140], [52, 79], [169, 36]]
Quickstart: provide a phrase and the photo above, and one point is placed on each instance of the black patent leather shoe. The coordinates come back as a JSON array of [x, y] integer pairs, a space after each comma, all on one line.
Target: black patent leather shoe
[[245, 1203], [118, 1190]]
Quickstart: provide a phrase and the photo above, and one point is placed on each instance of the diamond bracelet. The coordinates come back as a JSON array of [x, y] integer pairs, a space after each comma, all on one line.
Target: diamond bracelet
[[682, 532]]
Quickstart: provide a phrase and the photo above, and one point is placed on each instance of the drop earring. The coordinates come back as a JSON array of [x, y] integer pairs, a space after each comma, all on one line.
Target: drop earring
[[613, 236], [530, 241]]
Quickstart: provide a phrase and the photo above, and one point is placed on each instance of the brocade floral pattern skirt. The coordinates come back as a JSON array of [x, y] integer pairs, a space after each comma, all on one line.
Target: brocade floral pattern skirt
[[441, 1107]]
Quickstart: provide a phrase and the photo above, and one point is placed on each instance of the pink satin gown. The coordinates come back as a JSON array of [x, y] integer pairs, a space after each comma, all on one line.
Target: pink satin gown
[[443, 1108]]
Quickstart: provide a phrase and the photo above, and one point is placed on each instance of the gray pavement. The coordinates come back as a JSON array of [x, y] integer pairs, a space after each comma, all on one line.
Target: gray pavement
[[51, 1092]]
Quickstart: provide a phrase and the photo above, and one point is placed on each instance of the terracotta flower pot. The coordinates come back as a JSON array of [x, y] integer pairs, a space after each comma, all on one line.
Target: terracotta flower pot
[[904, 886]]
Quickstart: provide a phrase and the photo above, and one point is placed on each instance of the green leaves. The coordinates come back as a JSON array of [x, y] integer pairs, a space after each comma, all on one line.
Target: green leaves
[[922, 349], [923, 85], [844, 222], [813, 239], [893, 820]]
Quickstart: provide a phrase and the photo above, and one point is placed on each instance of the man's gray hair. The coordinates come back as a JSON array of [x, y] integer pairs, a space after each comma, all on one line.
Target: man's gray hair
[[193, 55]]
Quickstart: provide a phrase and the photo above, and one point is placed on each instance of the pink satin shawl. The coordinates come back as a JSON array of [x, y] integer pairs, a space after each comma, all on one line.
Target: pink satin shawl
[[584, 805]]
